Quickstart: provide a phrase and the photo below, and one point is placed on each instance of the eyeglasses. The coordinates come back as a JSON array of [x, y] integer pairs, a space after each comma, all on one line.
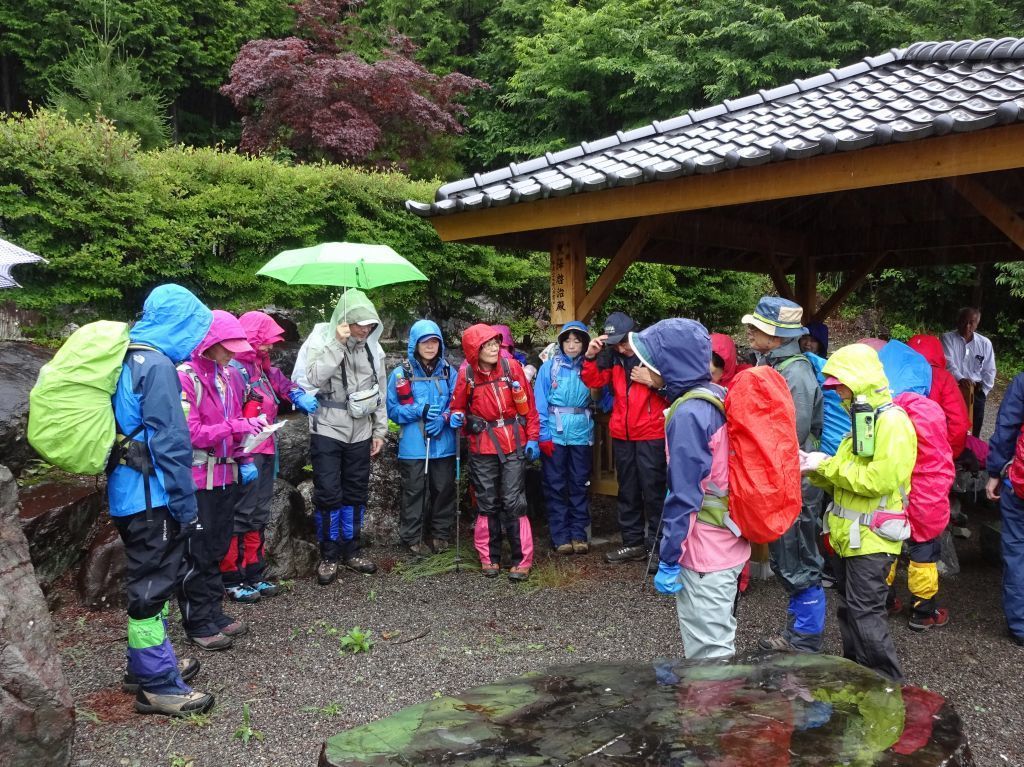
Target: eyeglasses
[[494, 343]]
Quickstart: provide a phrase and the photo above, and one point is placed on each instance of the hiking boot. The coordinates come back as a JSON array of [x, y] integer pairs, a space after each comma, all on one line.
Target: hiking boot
[[216, 642], [174, 704], [1017, 639], [235, 629], [326, 573], [242, 594], [518, 574], [895, 607], [490, 569], [625, 554], [266, 588], [440, 544], [361, 565], [580, 547], [418, 550], [936, 619], [187, 669], [775, 644], [565, 548]]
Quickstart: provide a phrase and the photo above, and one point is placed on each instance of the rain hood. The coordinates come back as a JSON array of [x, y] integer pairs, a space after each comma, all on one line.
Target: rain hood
[[906, 369], [424, 329], [681, 350], [858, 367], [260, 329], [353, 306], [173, 321]]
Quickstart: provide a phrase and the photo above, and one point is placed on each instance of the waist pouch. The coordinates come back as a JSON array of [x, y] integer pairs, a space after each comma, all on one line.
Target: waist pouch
[[365, 402], [889, 525]]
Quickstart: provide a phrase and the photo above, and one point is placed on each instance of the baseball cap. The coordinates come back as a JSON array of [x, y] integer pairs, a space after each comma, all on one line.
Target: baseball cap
[[617, 326], [236, 345]]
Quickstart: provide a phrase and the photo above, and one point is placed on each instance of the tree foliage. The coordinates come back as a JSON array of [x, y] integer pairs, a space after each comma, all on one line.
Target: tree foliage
[[319, 96]]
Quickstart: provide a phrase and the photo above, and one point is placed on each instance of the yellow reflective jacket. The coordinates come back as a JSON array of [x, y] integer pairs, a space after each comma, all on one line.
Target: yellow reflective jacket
[[864, 484]]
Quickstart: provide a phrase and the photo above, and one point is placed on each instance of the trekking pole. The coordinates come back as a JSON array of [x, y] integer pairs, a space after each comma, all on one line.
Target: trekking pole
[[650, 556], [426, 485], [458, 497]]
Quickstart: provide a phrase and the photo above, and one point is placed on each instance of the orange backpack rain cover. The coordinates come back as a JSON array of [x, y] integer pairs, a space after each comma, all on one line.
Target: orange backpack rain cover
[[764, 461]]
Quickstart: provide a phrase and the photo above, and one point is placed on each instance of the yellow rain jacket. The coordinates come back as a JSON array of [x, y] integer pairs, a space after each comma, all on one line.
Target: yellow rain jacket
[[864, 484]]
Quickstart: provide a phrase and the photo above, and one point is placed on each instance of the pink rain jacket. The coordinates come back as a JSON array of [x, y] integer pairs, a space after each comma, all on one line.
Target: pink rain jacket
[[210, 413], [933, 473], [268, 380]]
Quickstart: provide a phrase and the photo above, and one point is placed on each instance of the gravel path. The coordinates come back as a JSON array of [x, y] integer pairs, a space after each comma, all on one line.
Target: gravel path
[[300, 690]]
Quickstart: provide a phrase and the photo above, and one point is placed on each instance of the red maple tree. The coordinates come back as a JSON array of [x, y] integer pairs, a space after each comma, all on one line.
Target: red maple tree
[[338, 91]]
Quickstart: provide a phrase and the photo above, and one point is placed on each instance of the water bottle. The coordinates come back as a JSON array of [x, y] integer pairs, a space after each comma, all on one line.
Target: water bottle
[[863, 427], [403, 388], [253, 405], [520, 399]]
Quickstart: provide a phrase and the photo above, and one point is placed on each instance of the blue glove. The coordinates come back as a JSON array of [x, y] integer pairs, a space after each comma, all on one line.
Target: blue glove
[[457, 419], [532, 450], [434, 426], [305, 402], [432, 412], [248, 472], [667, 580]]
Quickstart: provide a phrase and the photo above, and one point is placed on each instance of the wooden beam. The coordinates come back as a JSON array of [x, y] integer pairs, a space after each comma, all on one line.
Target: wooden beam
[[991, 207], [711, 229], [568, 273], [627, 253], [850, 284], [956, 154], [778, 276]]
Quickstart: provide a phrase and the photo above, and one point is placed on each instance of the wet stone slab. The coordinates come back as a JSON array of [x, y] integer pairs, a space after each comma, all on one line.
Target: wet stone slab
[[764, 710]]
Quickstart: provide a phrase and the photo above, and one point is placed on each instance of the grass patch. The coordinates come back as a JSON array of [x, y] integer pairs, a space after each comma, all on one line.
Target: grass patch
[[438, 564], [553, 574]]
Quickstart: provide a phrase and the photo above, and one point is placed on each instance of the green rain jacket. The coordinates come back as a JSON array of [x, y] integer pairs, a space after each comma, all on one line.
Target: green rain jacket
[[860, 483], [363, 366]]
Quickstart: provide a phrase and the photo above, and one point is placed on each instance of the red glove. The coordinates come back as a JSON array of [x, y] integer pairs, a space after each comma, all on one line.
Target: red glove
[[547, 447]]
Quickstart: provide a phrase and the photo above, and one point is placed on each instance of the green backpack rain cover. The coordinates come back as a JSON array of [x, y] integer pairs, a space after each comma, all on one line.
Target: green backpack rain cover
[[70, 417]]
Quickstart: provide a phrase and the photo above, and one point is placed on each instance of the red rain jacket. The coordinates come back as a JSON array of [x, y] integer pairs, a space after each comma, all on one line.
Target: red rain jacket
[[725, 348], [492, 397], [638, 413], [944, 391]]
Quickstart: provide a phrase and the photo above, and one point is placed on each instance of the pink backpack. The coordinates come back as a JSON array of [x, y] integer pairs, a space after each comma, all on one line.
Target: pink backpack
[[932, 478]]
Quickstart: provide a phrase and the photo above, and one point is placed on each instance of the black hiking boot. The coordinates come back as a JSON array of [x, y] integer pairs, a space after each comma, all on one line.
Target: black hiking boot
[[626, 554]]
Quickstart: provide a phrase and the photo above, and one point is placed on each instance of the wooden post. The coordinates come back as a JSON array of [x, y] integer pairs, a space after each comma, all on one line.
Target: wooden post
[[568, 273], [807, 287]]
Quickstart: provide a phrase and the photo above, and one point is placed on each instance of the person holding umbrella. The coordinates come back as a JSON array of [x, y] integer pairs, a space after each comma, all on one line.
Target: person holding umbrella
[[419, 394], [345, 363]]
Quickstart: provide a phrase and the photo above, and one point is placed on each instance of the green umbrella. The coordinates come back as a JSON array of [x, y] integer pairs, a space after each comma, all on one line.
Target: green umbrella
[[343, 264]]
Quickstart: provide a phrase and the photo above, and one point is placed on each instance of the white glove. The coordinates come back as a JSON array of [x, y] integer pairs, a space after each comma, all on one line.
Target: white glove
[[811, 461]]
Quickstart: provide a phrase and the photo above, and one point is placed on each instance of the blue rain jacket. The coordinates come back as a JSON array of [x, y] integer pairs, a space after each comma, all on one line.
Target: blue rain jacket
[[558, 385], [906, 369], [836, 422], [148, 392], [437, 390], [1003, 443], [681, 350]]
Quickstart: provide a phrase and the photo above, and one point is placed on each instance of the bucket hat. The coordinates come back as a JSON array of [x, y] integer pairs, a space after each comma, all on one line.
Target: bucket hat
[[777, 317]]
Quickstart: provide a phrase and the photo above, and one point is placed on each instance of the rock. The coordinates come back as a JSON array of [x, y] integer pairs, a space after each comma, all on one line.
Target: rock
[[57, 518], [293, 449], [381, 522], [19, 368], [101, 574], [756, 709], [36, 708], [291, 547]]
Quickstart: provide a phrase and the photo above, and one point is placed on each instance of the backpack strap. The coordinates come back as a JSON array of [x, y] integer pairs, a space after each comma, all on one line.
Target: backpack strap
[[795, 358], [516, 422], [700, 393], [197, 385]]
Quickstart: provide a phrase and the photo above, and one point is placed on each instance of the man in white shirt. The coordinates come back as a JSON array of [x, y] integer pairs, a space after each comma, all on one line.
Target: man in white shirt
[[970, 359]]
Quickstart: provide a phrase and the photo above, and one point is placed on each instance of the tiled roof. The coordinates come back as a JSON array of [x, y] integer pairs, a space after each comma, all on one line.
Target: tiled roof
[[928, 89]]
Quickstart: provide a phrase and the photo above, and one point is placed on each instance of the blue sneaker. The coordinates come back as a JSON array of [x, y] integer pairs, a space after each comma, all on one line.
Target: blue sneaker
[[266, 589], [243, 594]]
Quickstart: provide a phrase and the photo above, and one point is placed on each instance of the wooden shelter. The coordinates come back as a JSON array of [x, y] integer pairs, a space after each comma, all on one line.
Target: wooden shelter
[[911, 158]]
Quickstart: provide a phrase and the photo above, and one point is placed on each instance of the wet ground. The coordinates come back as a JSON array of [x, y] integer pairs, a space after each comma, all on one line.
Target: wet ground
[[444, 634]]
